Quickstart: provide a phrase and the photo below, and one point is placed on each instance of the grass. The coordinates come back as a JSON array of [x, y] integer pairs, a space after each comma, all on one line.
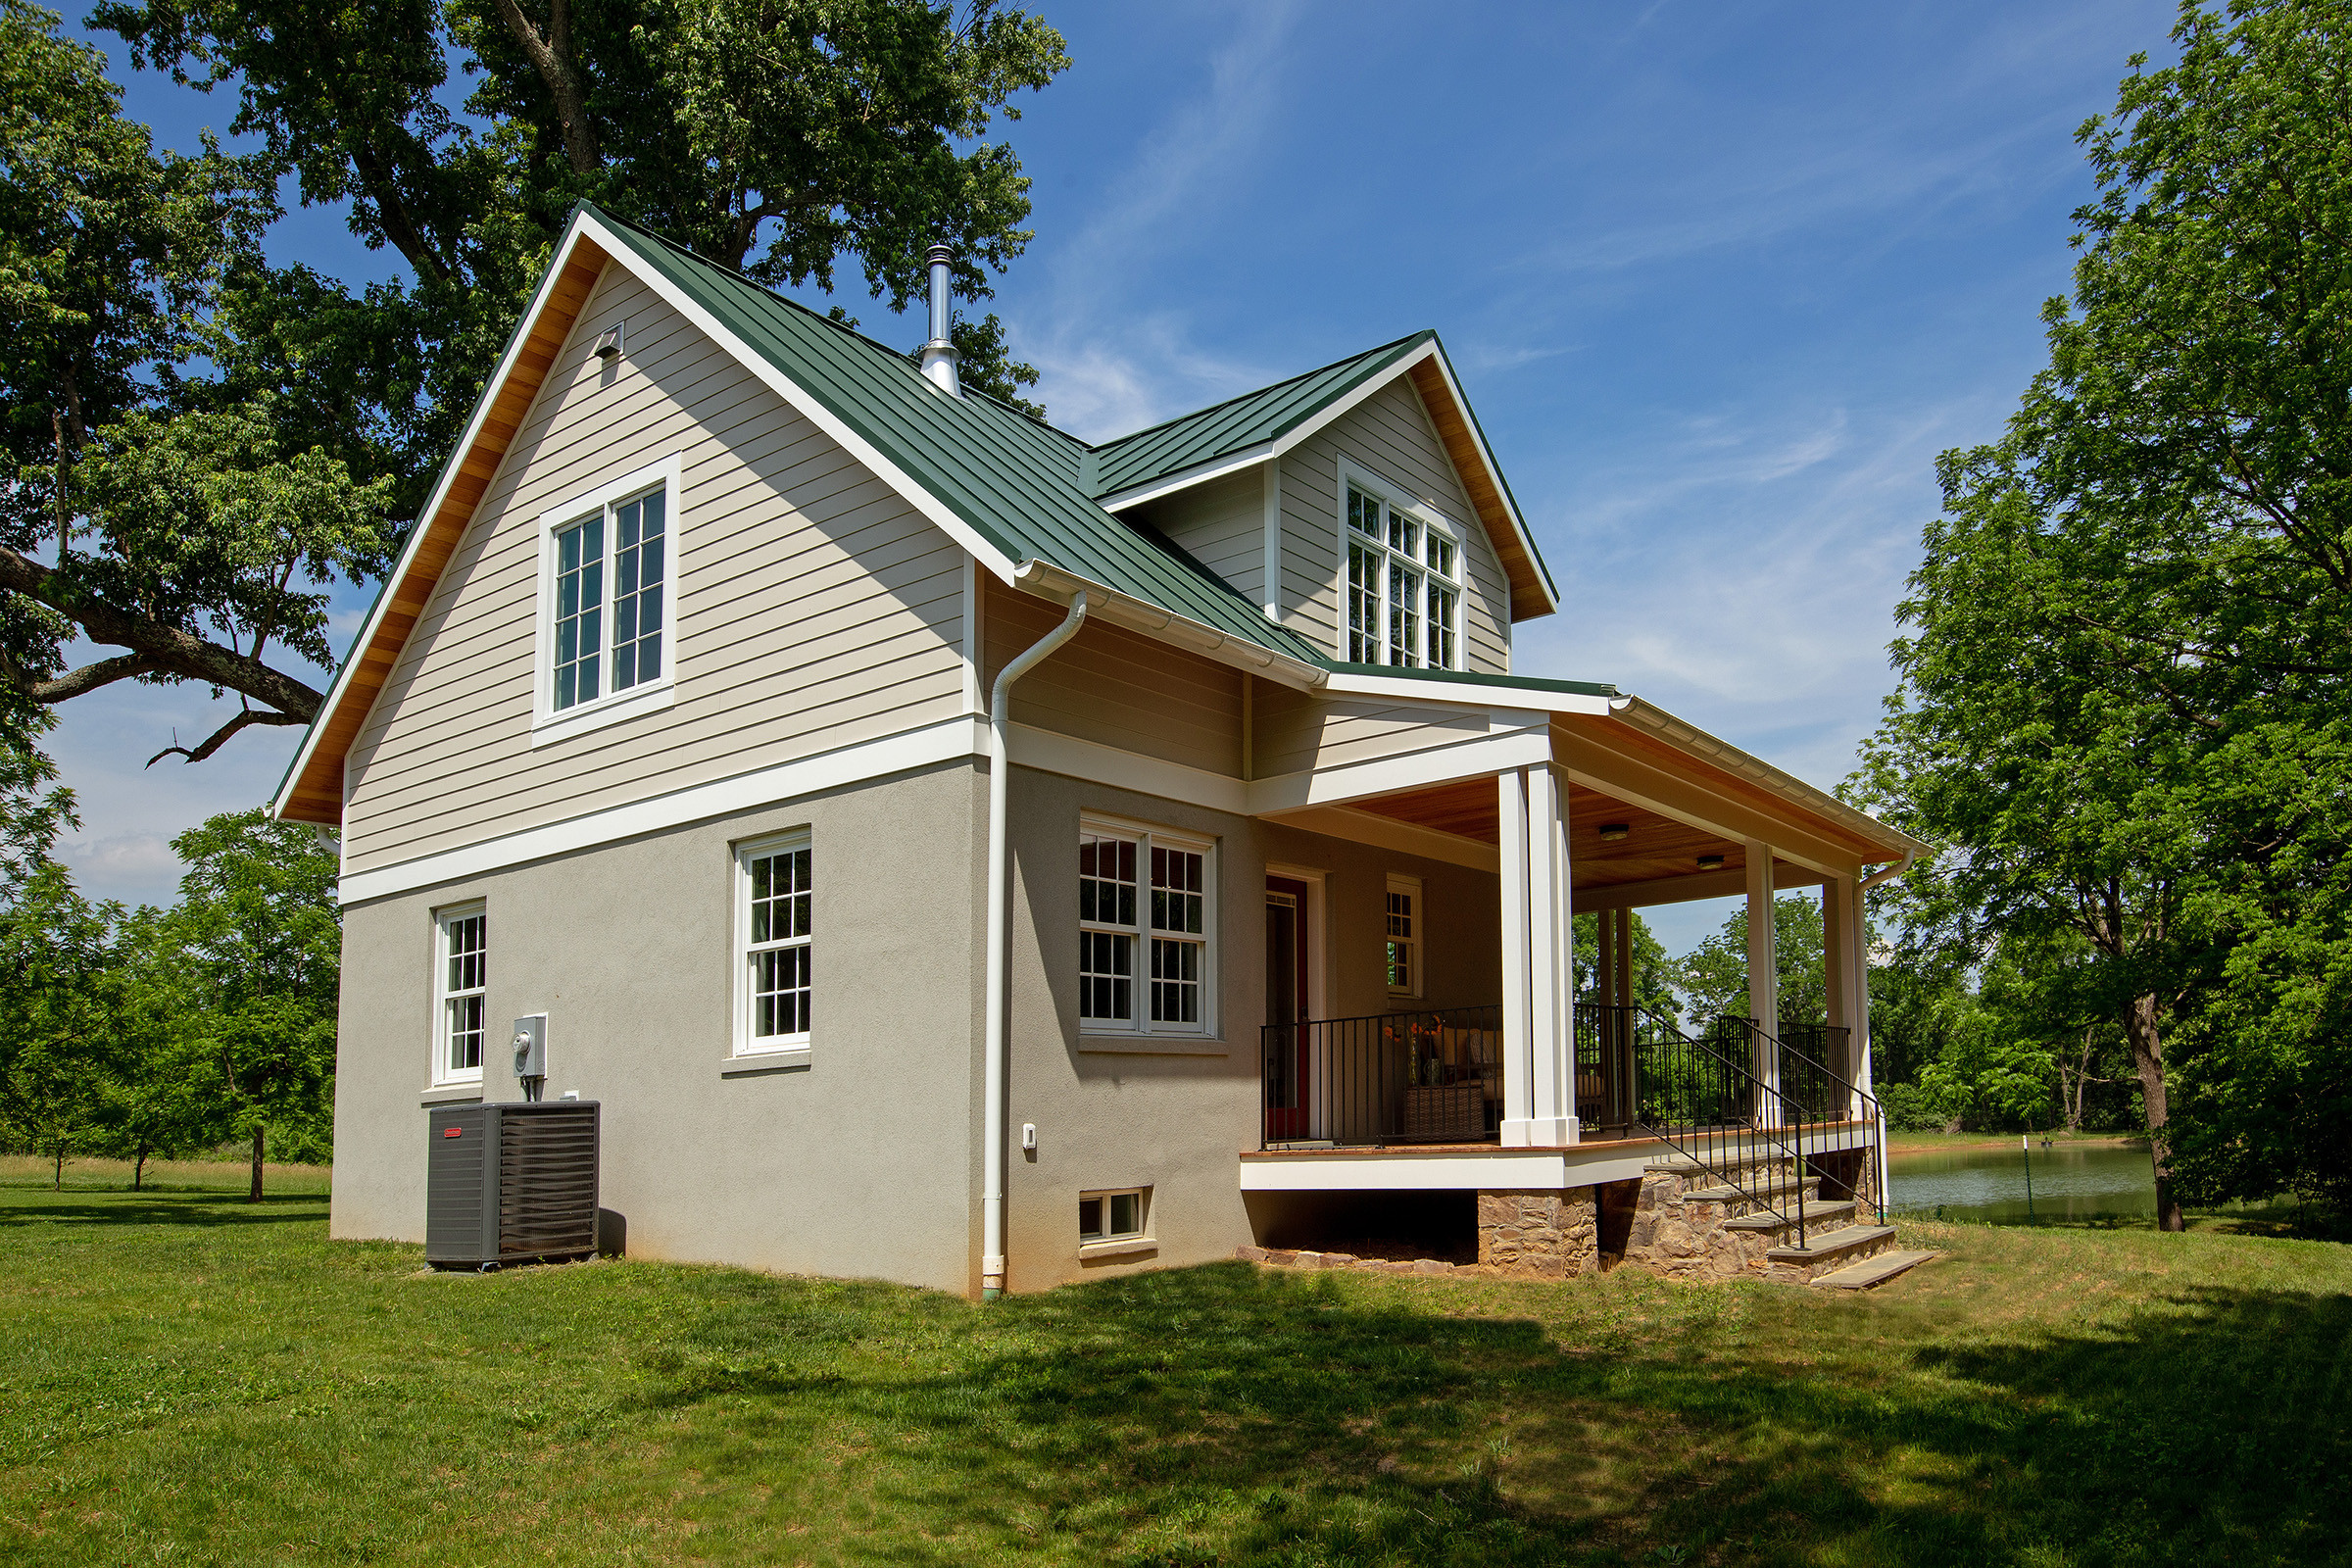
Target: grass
[[186, 1378], [164, 1175], [1901, 1143]]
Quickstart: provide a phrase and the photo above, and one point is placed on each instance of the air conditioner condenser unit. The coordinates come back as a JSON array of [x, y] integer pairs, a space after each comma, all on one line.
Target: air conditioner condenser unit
[[512, 1183]]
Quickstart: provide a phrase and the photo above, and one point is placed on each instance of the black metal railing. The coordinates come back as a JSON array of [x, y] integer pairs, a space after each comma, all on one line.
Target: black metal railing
[[1431, 1077]]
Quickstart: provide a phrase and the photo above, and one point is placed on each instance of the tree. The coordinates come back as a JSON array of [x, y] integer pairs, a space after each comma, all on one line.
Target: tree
[[2123, 686], [255, 942], [1653, 970], [201, 444], [1714, 974]]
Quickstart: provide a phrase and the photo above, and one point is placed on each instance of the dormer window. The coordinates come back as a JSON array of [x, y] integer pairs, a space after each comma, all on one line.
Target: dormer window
[[1405, 585], [608, 561]]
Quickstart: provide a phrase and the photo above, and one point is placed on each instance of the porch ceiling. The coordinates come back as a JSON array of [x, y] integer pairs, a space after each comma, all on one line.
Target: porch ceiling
[[1657, 848]]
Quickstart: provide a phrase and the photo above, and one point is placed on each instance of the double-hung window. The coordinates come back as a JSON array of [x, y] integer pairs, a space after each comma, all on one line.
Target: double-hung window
[[605, 591], [1405, 584], [1145, 931], [1405, 927], [774, 907], [461, 986]]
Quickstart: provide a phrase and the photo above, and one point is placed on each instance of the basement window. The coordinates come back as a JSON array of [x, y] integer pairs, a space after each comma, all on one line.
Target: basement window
[[1116, 1215]]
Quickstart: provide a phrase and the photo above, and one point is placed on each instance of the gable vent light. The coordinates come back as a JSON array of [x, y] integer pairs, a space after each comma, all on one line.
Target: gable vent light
[[608, 347], [1710, 862], [939, 355], [1614, 832]]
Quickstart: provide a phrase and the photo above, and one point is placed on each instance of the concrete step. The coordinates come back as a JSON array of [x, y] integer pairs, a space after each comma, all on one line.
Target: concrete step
[[1777, 1191], [1871, 1271], [1828, 1248], [1819, 1219]]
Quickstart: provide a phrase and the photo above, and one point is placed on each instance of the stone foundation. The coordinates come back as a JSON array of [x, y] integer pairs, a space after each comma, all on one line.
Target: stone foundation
[[1681, 1236], [1547, 1232]]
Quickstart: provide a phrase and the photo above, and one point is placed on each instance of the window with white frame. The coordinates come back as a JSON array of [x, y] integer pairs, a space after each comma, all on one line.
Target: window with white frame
[[1405, 584], [1145, 931], [1113, 1217], [460, 987], [1404, 923], [774, 915], [607, 564]]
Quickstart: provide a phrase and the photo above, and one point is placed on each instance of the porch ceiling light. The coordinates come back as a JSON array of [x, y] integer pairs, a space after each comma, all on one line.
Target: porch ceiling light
[[1710, 862], [1614, 832]]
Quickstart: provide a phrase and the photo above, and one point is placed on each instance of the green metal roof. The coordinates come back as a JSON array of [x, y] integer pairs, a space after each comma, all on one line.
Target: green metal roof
[[1239, 424], [1013, 479]]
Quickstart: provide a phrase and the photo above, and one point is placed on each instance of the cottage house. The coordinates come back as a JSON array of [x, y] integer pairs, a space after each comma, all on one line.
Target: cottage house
[[954, 853]]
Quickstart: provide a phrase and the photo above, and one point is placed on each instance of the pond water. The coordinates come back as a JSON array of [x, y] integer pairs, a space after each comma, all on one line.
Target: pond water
[[2071, 1183]]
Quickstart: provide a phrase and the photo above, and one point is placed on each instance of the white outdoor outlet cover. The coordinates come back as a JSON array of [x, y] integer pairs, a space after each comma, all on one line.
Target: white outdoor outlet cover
[[1028, 1135]]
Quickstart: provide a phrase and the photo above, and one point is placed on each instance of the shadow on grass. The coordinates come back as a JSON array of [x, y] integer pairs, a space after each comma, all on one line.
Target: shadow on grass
[[205, 1208], [1223, 1415]]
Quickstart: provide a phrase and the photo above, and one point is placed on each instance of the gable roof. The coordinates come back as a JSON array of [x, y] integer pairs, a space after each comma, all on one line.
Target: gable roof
[[1021, 496]]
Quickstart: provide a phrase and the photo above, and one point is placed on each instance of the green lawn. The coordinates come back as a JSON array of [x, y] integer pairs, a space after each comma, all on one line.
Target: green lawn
[[185, 1378]]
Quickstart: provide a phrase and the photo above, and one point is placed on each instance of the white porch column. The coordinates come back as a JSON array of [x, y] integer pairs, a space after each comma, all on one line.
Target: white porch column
[[1763, 970], [1544, 937], [1858, 943], [1518, 1047], [1836, 963]]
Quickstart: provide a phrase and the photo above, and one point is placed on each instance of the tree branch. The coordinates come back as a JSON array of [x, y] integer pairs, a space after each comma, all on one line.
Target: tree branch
[[74, 683], [171, 651], [245, 717], [549, 55]]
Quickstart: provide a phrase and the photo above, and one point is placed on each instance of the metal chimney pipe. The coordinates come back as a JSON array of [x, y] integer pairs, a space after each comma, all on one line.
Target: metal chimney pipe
[[939, 355]]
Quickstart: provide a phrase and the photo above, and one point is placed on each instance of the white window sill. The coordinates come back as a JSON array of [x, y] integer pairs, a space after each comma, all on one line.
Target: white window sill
[[1127, 1045], [1124, 1247], [447, 1094], [757, 1064], [549, 728]]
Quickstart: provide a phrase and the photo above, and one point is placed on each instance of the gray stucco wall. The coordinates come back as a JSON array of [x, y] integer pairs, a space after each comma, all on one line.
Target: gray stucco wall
[[1177, 1123], [862, 1166]]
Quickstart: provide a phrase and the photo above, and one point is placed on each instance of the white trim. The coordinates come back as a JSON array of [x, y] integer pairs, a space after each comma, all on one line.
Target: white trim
[[450, 469], [667, 474], [1406, 688], [1060, 586], [744, 1048], [1691, 739], [1452, 1170], [1125, 1247], [1416, 914], [1050, 752], [1395, 774], [948, 741], [1121, 1240], [975, 646], [1356, 476], [805, 404], [1355, 825], [1140, 1028], [1186, 479], [1318, 946], [1502, 491], [1271, 589], [440, 1074]]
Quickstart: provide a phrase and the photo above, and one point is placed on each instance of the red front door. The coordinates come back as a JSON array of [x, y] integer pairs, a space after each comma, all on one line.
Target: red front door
[[1286, 1063]]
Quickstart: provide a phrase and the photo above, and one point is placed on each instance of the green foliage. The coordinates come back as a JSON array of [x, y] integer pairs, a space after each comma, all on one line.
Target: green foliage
[[1654, 971], [1714, 974]]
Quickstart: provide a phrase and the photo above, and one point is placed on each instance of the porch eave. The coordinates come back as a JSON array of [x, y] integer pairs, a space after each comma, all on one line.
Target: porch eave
[[1447, 1167]]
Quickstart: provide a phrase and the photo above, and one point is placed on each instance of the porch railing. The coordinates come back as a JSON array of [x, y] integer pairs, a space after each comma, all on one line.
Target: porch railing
[[1432, 1077]]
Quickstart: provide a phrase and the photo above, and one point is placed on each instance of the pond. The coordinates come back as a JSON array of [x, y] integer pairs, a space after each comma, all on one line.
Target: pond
[[2071, 1183]]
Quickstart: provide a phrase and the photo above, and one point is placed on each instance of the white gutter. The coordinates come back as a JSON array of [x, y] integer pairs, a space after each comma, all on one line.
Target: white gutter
[[1124, 609], [1000, 769], [1880, 878]]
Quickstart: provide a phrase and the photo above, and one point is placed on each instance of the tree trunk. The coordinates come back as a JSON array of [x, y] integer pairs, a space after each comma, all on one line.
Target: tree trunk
[[255, 1196], [57, 1177], [138, 1172], [2147, 1059]]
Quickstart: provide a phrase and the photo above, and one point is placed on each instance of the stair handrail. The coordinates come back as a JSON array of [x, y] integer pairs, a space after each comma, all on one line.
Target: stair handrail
[[1866, 1109]]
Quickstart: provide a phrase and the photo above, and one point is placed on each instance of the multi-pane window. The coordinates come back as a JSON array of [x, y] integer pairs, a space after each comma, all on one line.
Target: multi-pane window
[[776, 925], [1404, 593], [610, 574], [464, 979], [1404, 936], [1143, 915], [1111, 1216]]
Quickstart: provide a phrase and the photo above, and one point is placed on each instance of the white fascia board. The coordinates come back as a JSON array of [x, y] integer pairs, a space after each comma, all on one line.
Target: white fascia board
[[1050, 752], [1061, 585], [1467, 694], [1357, 827], [1397, 774], [1785, 873], [1186, 479], [944, 742], [1687, 737], [440, 493], [1451, 1169], [799, 399]]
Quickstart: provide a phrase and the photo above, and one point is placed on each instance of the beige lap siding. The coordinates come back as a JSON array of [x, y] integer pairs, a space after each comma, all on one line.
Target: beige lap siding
[[1116, 687], [1298, 730], [809, 606], [1222, 524], [1390, 435]]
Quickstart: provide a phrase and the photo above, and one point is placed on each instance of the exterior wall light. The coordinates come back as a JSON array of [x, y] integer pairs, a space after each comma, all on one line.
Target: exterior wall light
[[1710, 862], [1614, 832]]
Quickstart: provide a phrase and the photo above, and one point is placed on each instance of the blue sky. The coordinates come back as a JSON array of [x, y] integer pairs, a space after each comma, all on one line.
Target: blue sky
[[1720, 279]]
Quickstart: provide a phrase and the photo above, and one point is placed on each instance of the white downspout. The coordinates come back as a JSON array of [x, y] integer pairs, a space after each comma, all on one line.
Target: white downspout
[[1861, 1002], [1000, 769]]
